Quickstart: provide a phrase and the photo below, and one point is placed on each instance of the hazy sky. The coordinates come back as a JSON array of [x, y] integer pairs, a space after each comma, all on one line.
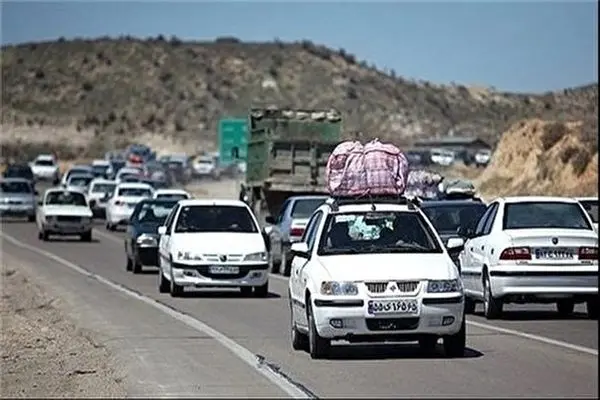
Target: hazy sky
[[523, 46]]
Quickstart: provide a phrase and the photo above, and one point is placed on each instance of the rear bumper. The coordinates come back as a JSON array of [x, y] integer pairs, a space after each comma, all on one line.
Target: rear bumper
[[17, 211]]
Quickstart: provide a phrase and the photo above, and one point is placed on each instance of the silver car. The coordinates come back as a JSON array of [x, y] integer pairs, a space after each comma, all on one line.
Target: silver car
[[17, 198]]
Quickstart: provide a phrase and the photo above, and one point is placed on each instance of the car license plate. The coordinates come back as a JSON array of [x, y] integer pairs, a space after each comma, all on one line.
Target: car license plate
[[554, 253], [223, 269], [397, 306]]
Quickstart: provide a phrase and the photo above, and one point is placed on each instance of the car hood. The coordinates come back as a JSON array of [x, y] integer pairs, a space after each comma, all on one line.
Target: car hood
[[385, 267], [218, 242], [72, 211], [23, 197]]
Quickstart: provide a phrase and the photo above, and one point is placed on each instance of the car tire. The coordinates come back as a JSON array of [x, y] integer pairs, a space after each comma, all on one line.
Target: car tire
[[592, 308], [31, 218], [455, 345], [45, 236], [469, 305], [174, 289], [299, 340], [318, 347], [137, 267], [163, 284], [129, 265], [565, 307], [262, 291], [285, 267], [428, 344], [40, 235], [492, 307], [246, 290], [86, 237], [274, 265]]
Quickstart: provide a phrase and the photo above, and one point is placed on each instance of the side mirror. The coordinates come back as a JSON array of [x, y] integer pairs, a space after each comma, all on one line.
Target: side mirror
[[455, 244], [162, 230], [270, 220], [300, 249]]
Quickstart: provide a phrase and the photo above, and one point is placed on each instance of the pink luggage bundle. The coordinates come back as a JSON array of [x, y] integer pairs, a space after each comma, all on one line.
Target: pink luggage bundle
[[373, 169]]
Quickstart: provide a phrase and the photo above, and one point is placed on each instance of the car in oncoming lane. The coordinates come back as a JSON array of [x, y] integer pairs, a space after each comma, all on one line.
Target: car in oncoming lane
[[212, 243], [64, 212], [141, 237], [45, 167], [531, 250], [17, 198], [370, 270], [124, 199]]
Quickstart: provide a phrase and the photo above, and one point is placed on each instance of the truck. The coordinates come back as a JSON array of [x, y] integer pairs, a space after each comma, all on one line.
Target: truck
[[287, 155]]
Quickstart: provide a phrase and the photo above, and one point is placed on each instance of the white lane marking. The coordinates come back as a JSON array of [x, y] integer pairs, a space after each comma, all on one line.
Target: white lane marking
[[530, 336], [238, 350]]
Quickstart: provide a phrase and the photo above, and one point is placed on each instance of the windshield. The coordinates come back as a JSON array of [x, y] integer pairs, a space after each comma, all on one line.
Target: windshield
[[44, 163], [65, 198], [172, 196], [103, 188], [15, 187], [305, 207], [555, 214], [377, 232], [77, 171], [215, 219], [448, 218], [18, 172], [153, 213], [80, 180], [591, 206], [135, 192]]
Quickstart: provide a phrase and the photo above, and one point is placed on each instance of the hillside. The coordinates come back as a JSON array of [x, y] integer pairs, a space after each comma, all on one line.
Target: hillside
[[544, 158], [102, 90]]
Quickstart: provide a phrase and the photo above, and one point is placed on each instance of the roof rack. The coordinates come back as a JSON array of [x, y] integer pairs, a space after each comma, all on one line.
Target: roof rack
[[334, 202]]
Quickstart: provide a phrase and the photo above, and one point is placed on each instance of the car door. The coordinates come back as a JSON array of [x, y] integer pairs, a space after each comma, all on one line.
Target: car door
[[478, 249], [275, 235], [298, 265], [164, 241], [469, 273]]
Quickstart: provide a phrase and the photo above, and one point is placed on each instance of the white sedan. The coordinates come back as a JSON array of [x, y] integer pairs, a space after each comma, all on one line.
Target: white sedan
[[531, 250], [123, 201], [64, 212], [368, 272], [171, 194]]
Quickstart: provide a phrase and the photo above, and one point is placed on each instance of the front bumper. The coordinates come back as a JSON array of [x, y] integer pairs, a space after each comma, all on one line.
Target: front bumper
[[61, 228], [437, 316], [200, 275], [14, 210], [146, 255], [548, 282]]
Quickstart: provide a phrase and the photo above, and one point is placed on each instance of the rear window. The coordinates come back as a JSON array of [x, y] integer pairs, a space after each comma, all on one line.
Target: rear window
[[65, 198], [153, 213], [305, 207], [18, 171], [15, 187], [80, 180], [172, 196], [591, 207], [103, 188], [135, 192], [44, 163], [532, 215], [215, 219], [448, 218]]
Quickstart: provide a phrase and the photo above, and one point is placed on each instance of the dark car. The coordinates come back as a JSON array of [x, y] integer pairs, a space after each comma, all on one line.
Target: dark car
[[20, 171], [453, 218], [141, 237], [116, 165]]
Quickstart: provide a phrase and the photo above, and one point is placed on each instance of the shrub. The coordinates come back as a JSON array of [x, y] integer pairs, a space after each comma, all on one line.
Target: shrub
[[553, 132]]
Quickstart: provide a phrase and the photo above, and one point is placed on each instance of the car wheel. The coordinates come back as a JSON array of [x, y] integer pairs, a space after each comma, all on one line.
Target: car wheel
[[246, 290], [274, 267], [592, 308], [45, 236], [31, 218], [174, 289], [454, 345], [565, 307], [129, 265], [469, 305], [262, 291], [299, 339], [492, 307], [137, 267], [40, 235], [427, 344], [86, 237], [163, 284], [318, 347]]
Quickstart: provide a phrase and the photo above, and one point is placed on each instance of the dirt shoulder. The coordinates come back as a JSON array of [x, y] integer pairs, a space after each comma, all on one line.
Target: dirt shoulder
[[43, 353]]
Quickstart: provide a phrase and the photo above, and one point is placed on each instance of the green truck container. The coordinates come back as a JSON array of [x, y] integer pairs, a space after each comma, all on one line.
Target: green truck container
[[287, 154]]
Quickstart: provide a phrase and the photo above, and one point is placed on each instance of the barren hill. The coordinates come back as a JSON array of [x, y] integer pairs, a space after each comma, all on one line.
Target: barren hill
[[544, 158], [114, 89]]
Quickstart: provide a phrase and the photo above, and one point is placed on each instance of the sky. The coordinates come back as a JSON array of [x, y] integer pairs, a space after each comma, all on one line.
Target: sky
[[519, 46]]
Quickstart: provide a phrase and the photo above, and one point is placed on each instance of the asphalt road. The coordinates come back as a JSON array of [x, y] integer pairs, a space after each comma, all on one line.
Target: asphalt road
[[499, 364]]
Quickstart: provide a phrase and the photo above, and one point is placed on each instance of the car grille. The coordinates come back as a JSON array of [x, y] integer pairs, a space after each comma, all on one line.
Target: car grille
[[403, 286], [392, 324], [217, 257], [68, 218]]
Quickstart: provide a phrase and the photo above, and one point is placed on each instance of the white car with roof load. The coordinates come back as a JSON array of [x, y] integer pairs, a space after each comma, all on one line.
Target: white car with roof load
[[531, 250], [122, 202], [374, 270], [64, 212], [45, 167], [590, 204], [99, 192], [171, 194], [212, 243]]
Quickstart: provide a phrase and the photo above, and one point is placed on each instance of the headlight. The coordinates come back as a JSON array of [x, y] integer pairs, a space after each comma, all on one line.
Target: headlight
[[262, 256], [339, 288], [444, 286], [147, 240], [186, 255]]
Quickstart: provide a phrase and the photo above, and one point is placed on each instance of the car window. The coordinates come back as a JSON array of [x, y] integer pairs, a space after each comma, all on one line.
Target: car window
[[80, 180], [547, 214], [282, 211], [172, 196], [448, 218], [15, 187], [194, 219], [103, 187], [366, 232], [303, 208], [65, 198], [487, 228], [591, 207], [310, 227], [134, 192], [44, 163], [171, 218], [482, 221], [311, 239], [153, 213]]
